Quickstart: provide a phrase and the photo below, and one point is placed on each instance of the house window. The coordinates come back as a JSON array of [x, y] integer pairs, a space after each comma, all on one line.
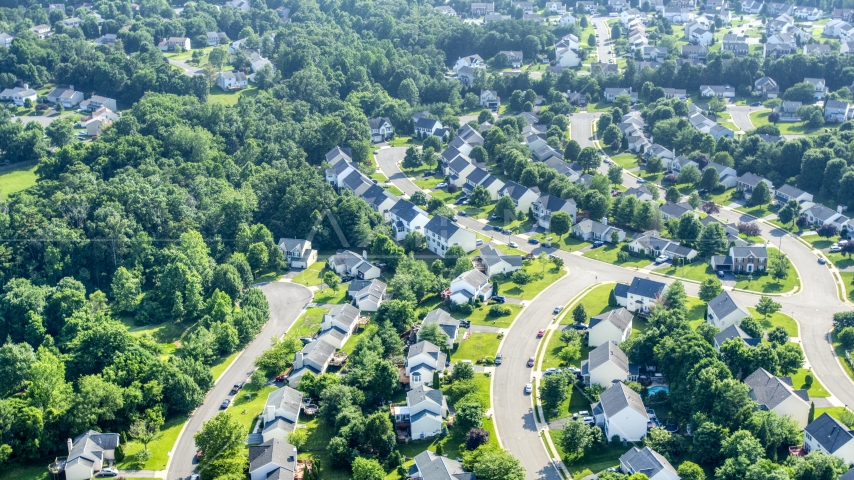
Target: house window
[[416, 377]]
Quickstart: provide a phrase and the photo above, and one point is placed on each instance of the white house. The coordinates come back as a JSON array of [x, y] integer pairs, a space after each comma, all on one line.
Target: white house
[[777, 395], [490, 99], [67, 97], [281, 413], [442, 234], [407, 217], [607, 364], [340, 166], [275, 458], [720, 91], [339, 324], [6, 39], [649, 243], [88, 454], [748, 181], [446, 323], [467, 286], [425, 411], [216, 38], [641, 296], [424, 127], [381, 129], [725, 310], [612, 93], [169, 44], [819, 215], [830, 437], [767, 87], [648, 462], [480, 177], [612, 326], [820, 87], [367, 295], [494, 262], [620, 411], [591, 230], [472, 61], [567, 20], [314, 357], [422, 360], [43, 31], [298, 252], [429, 466], [522, 196], [726, 175], [787, 192], [229, 81], [735, 332], [566, 56], [19, 95], [95, 102], [837, 111], [349, 263]]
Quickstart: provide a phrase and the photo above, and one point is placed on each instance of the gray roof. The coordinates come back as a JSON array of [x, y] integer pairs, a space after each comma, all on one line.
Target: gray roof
[[637, 192], [90, 446], [724, 304], [291, 244], [646, 461], [621, 290], [376, 123], [477, 175], [733, 331], [755, 251], [279, 423], [442, 227], [346, 258], [424, 393], [319, 351], [285, 398], [553, 203], [338, 152], [829, 432], [435, 467], [406, 210], [607, 352], [617, 397], [376, 195], [620, 318], [821, 212], [675, 210], [646, 288], [473, 277], [718, 167], [490, 256], [345, 313], [424, 347], [428, 123], [678, 249], [444, 320], [275, 451], [769, 390], [750, 179], [366, 287], [514, 190]]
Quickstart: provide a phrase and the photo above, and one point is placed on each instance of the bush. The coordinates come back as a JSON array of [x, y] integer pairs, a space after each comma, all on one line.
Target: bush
[[622, 256], [846, 337], [467, 308], [808, 380], [615, 439], [499, 311]]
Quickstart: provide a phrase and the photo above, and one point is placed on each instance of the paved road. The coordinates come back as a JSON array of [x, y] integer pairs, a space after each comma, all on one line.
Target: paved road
[[388, 160], [186, 68], [741, 116], [603, 44], [286, 301]]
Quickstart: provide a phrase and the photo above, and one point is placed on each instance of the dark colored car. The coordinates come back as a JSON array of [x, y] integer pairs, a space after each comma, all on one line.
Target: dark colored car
[[579, 326], [499, 299], [498, 358], [702, 191], [533, 241], [225, 403], [598, 243], [465, 323], [531, 361], [461, 200]]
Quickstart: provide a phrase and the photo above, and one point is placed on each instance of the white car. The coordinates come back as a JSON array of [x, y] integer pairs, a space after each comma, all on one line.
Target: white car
[[640, 180], [661, 259], [478, 242], [441, 185], [513, 244], [529, 388], [835, 248]]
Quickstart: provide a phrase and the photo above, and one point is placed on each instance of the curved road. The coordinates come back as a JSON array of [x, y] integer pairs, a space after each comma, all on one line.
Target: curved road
[[286, 303], [813, 306]]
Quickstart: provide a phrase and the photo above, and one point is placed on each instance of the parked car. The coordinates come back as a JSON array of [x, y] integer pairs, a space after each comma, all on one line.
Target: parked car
[[225, 403], [588, 420], [579, 326], [548, 245], [465, 323], [551, 371], [441, 185], [236, 388], [461, 200], [507, 232], [346, 278], [755, 104], [640, 180], [598, 243], [499, 299], [463, 213], [721, 273], [702, 191], [529, 388], [493, 217], [821, 261], [557, 309], [533, 241], [835, 248], [513, 245], [541, 333], [281, 378], [454, 219], [660, 259], [608, 160], [107, 473], [376, 152], [530, 361], [498, 358], [478, 242]]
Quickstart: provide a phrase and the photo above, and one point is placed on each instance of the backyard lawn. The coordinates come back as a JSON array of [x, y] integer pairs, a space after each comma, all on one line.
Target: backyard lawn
[[815, 390], [608, 254], [477, 346], [777, 320], [309, 323], [327, 295], [312, 275], [216, 95], [481, 316], [159, 447], [37, 471], [12, 181], [848, 280], [594, 461], [540, 280], [760, 118], [354, 338]]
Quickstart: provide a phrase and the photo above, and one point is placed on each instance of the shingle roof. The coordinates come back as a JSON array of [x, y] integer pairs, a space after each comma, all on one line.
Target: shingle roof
[[750, 179], [424, 393], [620, 318], [674, 209], [286, 398], [473, 277], [618, 397], [724, 304], [319, 351], [790, 191], [769, 390], [646, 461], [646, 288], [424, 347], [444, 320], [442, 227], [607, 352], [490, 256], [621, 290], [406, 210], [821, 212], [760, 251], [276, 451], [514, 190], [829, 432], [733, 331], [435, 467]]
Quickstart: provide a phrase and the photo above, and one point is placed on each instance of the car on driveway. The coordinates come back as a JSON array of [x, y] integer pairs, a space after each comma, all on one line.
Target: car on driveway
[[478, 242], [530, 361], [529, 388], [598, 243], [551, 371], [498, 358], [499, 299], [461, 200], [513, 244], [721, 273], [107, 473], [533, 241], [541, 333], [579, 326], [835, 248], [660, 259], [640, 180], [441, 185], [557, 309], [493, 217]]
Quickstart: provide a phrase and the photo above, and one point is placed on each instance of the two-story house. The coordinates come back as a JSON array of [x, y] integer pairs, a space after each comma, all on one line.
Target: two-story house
[[422, 360], [547, 205], [381, 129], [621, 412], [42, 31], [479, 9], [6, 39], [607, 364], [830, 437], [648, 462], [425, 412], [490, 99], [777, 395], [429, 466], [88, 454], [314, 357], [19, 95], [494, 262], [67, 97], [229, 81], [612, 93], [523, 197], [726, 175], [446, 323], [767, 87], [737, 44], [748, 181], [367, 295], [341, 165], [837, 111], [612, 326], [281, 413], [442, 234], [275, 458], [216, 38], [819, 86], [480, 177], [788, 111], [734, 332], [298, 252], [747, 259], [96, 101], [468, 286], [425, 127], [407, 217], [169, 44], [725, 310], [349, 263], [641, 296], [591, 230], [379, 199], [339, 324]]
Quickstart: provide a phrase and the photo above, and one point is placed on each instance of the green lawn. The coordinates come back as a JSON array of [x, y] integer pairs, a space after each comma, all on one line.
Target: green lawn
[[230, 98], [839, 351], [574, 403], [817, 242], [698, 270], [327, 295], [608, 254], [758, 211], [593, 461], [568, 243], [848, 280], [721, 198], [816, 390], [17, 179], [312, 275], [220, 365], [760, 118], [537, 285], [26, 472], [159, 447], [379, 177], [841, 261], [481, 316], [777, 320], [351, 342], [835, 412], [246, 410], [269, 275], [626, 161], [477, 346], [428, 183], [309, 323], [483, 386], [767, 284], [403, 141], [595, 302], [166, 334], [319, 435]]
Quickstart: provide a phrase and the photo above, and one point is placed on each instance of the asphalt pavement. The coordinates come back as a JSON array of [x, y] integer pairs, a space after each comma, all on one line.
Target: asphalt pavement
[[741, 116], [286, 300]]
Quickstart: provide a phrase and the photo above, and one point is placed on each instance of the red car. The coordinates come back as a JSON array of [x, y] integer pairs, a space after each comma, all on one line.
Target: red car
[[531, 362], [541, 333]]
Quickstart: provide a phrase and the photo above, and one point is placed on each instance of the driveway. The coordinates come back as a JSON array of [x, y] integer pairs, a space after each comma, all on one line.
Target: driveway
[[286, 303], [186, 67]]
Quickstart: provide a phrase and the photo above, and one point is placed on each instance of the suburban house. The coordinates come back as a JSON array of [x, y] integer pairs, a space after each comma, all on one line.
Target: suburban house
[[720, 91], [229, 81], [725, 310], [748, 181], [67, 97], [679, 93], [494, 262], [735, 332], [648, 462], [480, 177], [425, 127], [641, 193], [748, 259], [652, 244], [341, 166], [298, 252], [169, 44], [809, 14], [6, 39], [407, 217], [314, 357], [591, 230], [767, 87], [216, 38], [381, 129], [736, 44], [521, 195], [779, 47], [681, 162], [275, 458], [612, 326], [720, 131], [701, 37], [447, 324], [788, 111], [281, 413], [446, 10], [514, 56], [819, 215], [675, 210], [468, 286], [607, 364], [641, 296], [442, 234], [348, 263], [621, 412], [816, 49], [556, 8], [830, 437], [480, 9], [837, 111], [88, 454], [367, 295], [422, 360], [378, 198], [339, 324], [490, 99], [425, 411], [695, 53], [726, 175], [846, 48], [567, 20], [43, 31], [788, 192], [777, 395], [566, 54], [612, 93], [459, 168], [820, 87], [548, 205], [838, 28], [429, 466], [95, 102], [19, 95]]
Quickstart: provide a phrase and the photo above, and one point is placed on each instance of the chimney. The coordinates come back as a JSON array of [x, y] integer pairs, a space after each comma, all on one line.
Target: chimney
[[605, 220], [269, 413], [69, 446], [71, 87], [839, 209], [298, 361], [295, 454], [26, 86], [365, 254]]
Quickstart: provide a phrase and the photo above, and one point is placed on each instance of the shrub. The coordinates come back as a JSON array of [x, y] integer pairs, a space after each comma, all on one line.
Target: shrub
[[499, 311], [846, 336], [808, 380], [467, 308], [622, 256]]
